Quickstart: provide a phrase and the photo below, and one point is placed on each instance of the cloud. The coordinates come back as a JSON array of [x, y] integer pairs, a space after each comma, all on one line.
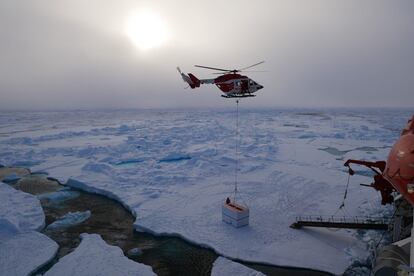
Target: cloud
[[75, 54]]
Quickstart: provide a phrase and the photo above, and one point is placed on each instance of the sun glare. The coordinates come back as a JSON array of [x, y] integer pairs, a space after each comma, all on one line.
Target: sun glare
[[146, 30]]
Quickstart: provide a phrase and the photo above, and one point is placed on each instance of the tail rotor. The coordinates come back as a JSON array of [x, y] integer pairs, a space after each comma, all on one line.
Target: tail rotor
[[192, 80]]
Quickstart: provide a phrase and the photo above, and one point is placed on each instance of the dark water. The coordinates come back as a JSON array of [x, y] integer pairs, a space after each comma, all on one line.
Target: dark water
[[166, 255]]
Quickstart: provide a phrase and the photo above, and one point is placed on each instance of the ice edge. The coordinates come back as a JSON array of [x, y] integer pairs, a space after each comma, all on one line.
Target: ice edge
[[71, 182]]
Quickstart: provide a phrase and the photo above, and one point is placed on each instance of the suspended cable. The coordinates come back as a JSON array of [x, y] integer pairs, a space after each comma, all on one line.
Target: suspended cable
[[237, 150], [345, 194]]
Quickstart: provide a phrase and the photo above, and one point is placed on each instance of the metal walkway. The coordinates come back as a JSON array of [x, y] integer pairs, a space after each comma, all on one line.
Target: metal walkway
[[377, 223]]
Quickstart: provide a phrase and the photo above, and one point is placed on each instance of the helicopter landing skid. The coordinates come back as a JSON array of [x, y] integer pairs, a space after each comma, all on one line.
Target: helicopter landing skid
[[238, 96]]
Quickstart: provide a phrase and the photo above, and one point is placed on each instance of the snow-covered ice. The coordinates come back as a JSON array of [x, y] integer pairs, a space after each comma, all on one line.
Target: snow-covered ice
[[59, 196], [22, 249], [173, 170], [95, 257], [12, 175], [224, 267], [70, 219], [135, 251], [11, 178], [21, 209], [23, 252]]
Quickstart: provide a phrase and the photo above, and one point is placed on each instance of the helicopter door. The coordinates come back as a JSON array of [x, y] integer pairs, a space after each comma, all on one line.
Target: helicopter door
[[244, 85]]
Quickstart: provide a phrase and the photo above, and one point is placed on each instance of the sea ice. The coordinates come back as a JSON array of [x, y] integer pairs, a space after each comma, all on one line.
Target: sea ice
[[70, 219], [11, 178], [95, 257], [283, 172], [12, 174], [21, 209], [135, 251], [22, 249], [59, 196], [224, 267], [23, 252]]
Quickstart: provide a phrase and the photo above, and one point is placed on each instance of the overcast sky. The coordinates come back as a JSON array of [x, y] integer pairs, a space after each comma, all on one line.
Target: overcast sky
[[75, 54]]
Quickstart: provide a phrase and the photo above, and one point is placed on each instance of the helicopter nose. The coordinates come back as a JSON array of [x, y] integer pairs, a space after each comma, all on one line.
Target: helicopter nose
[[259, 87]]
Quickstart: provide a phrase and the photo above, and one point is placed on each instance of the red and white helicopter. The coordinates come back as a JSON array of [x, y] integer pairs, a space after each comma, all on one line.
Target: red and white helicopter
[[232, 84]]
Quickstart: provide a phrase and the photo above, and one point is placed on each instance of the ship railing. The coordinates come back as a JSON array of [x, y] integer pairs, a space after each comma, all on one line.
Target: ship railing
[[345, 219]]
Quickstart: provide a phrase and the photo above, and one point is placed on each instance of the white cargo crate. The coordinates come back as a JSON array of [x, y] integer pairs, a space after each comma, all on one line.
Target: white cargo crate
[[235, 214]]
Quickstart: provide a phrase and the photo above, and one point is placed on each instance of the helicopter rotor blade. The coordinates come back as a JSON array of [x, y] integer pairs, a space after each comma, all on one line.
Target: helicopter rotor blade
[[212, 68], [229, 72], [253, 71], [251, 66], [222, 73]]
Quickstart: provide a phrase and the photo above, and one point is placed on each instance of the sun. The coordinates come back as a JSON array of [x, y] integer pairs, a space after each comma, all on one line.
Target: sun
[[146, 30]]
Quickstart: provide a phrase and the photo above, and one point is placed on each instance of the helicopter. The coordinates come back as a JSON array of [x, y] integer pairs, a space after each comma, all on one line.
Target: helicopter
[[232, 84]]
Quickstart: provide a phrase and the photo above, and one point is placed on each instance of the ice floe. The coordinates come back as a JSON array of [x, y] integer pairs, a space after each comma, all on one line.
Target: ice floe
[[23, 252], [70, 219], [60, 196], [95, 257], [21, 209], [224, 267], [22, 249]]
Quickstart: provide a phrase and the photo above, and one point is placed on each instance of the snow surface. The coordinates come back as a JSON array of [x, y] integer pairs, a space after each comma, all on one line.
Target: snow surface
[[21, 252], [224, 267], [95, 257], [173, 170], [22, 249], [21, 209], [71, 218]]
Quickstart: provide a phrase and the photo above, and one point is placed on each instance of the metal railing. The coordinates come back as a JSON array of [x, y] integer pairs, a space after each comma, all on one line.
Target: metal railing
[[345, 219]]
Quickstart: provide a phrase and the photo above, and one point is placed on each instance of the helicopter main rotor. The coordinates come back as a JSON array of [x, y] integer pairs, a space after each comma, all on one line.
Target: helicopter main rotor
[[227, 71]]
